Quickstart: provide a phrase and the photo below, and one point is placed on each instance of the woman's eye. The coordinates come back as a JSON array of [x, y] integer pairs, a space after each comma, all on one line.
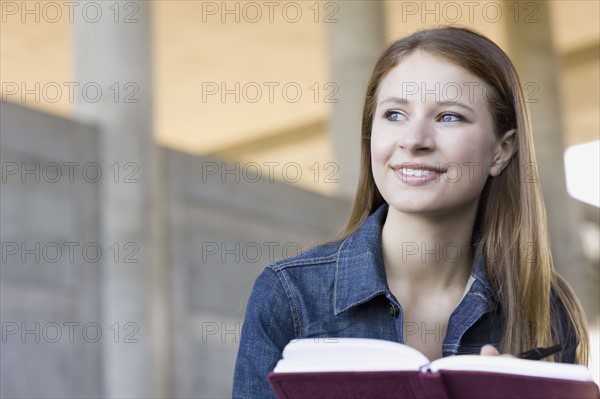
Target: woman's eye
[[450, 117], [393, 116]]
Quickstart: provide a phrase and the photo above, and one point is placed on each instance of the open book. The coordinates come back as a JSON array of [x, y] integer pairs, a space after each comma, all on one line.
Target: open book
[[370, 368]]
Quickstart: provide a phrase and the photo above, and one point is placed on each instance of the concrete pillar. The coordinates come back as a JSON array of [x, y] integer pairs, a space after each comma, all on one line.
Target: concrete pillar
[[113, 67], [532, 52], [355, 42]]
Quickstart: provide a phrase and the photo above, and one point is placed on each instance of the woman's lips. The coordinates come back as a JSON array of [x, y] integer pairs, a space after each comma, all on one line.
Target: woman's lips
[[417, 174]]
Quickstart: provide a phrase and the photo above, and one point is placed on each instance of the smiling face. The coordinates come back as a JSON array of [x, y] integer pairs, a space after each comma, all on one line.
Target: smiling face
[[433, 143]]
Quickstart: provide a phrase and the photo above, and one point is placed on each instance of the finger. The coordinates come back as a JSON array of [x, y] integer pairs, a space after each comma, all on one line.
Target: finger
[[489, 350]]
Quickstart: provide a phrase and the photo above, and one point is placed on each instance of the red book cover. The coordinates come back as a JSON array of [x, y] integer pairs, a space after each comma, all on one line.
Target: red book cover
[[440, 385], [349, 384], [347, 368]]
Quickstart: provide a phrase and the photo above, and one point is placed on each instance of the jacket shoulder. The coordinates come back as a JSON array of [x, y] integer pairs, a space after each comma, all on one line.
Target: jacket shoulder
[[316, 255]]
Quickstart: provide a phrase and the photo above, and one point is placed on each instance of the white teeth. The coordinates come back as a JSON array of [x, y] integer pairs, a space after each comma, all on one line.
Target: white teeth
[[415, 172]]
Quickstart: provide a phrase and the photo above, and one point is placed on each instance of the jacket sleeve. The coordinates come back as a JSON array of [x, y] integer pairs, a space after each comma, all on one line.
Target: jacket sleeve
[[268, 327]]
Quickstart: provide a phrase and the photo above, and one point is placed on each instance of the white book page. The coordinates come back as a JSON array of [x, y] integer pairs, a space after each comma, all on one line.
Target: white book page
[[512, 365], [348, 354]]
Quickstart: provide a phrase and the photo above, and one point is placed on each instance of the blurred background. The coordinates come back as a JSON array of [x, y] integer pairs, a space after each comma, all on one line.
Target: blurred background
[[157, 155]]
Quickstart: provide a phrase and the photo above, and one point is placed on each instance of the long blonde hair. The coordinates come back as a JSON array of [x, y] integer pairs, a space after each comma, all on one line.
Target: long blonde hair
[[511, 216]]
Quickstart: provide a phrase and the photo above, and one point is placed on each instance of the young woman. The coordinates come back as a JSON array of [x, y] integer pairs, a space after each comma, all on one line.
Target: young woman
[[446, 248]]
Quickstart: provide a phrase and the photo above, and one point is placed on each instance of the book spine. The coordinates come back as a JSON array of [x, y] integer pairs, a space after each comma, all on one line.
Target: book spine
[[432, 386]]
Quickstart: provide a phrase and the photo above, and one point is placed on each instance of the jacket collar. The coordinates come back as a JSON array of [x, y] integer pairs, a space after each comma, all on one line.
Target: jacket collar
[[360, 271]]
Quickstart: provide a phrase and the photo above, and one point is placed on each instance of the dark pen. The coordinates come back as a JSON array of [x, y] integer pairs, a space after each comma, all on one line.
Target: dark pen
[[540, 353]]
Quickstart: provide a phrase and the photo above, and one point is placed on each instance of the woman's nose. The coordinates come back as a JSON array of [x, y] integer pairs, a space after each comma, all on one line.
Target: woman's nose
[[417, 136]]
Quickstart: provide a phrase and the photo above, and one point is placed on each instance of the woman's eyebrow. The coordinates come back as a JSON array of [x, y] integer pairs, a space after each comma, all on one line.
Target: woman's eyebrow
[[393, 99], [402, 100], [457, 103]]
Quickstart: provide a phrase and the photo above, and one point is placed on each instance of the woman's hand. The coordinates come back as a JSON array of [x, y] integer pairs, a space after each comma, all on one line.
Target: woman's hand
[[489, 350]]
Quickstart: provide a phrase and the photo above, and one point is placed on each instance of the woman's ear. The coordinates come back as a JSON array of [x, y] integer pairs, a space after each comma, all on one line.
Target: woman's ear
[[505, 148]]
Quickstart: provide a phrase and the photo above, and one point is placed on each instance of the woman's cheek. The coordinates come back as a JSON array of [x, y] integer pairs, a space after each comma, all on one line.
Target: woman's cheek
[[382, 146], [379, 162]]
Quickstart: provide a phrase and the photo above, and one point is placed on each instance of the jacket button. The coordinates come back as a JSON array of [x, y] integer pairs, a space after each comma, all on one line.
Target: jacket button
[[393, 311]]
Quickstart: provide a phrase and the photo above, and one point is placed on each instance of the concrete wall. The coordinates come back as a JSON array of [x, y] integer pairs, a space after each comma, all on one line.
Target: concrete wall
[[223, 226], [44, 286]]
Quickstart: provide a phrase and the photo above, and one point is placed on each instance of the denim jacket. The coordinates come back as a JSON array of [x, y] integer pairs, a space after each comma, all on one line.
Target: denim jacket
[[340, 290]]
